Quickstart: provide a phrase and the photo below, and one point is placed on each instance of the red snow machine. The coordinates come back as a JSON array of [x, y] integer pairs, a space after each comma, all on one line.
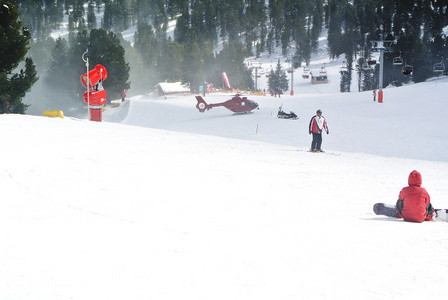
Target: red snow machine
[[95, 96], [93, 81]]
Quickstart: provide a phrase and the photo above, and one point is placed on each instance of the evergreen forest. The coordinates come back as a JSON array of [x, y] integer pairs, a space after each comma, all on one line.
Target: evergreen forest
[[215, 36]]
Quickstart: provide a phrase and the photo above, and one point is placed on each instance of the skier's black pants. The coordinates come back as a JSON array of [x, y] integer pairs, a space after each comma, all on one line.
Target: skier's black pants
[[317, 141]]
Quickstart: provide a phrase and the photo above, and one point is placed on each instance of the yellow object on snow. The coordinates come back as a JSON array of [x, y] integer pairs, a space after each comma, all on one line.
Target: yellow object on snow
[[54, 113]]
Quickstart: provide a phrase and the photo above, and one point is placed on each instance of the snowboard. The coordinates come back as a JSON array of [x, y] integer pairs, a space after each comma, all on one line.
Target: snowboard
[[383, 209]]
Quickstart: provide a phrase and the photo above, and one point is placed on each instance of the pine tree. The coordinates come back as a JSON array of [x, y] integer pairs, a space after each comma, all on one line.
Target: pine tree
[[335, 37], [270, 42], [192, 68], [182, 30], [146, 45], [61, 80], [278, 81], [91, 18], [40, 52], [351, 36], [345, 81], [13, 47], [105, 49], [231, 61], [139, 72], [169, 62], [58, 66]]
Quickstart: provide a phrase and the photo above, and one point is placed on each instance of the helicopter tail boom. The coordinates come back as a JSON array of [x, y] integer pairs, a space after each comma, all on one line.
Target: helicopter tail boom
[[202, 105]]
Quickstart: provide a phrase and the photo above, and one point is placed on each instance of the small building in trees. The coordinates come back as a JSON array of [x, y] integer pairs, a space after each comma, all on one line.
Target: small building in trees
[[170, 88]]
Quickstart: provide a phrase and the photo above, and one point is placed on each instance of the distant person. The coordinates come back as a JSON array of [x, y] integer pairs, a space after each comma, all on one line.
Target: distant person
[[123, 95], [317, 125], [374, 95], [6, 108], [414, 204]]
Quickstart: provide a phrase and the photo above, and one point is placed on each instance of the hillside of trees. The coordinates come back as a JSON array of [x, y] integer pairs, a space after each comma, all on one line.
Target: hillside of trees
[[17, 72], [244, 27]]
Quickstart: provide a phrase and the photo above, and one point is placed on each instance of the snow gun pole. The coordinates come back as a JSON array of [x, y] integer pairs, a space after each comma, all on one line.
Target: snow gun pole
[[380, 92], [86, 60], [292, 79], [381, 46], [291, 69]]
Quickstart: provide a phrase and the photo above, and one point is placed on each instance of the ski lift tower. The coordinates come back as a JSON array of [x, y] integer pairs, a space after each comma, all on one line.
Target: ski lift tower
[[381, 47], [256, 66], [291, 68]]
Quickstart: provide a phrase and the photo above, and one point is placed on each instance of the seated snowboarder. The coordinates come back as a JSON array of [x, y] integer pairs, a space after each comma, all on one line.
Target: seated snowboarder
[[413, 202]]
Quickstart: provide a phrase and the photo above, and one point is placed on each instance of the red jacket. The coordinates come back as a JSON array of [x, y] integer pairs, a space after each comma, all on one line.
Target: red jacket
[[415, 199], [318, 124]]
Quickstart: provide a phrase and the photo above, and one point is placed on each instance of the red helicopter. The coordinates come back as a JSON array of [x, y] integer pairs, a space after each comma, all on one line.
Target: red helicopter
[[237, 104]]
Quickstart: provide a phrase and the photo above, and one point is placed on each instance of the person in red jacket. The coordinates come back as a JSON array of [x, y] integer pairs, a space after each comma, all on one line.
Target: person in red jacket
[[317, 125], [414, 204], [123, 95]]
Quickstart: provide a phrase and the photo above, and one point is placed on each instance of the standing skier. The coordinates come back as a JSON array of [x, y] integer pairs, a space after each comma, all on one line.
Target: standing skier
[[123, 95], [414, 203], [317, 124]]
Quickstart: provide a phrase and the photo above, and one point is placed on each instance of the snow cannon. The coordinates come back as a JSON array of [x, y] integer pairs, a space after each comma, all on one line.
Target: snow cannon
[[95, 96], [99, 73]]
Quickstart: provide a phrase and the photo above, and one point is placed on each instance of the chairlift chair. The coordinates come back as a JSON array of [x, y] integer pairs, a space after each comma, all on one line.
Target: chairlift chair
[[407, 70], [344, 68], [398, 61], [439, 67], [306, 73], [323, 72], [365, 66]]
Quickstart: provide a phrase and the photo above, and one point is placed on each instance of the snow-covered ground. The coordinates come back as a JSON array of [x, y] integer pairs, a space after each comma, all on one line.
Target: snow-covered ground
[[189, 205], [161, 202]]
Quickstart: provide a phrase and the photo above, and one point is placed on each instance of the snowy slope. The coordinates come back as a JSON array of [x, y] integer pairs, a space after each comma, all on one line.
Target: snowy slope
[[162, 202], [199, 206], [407, 124]]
